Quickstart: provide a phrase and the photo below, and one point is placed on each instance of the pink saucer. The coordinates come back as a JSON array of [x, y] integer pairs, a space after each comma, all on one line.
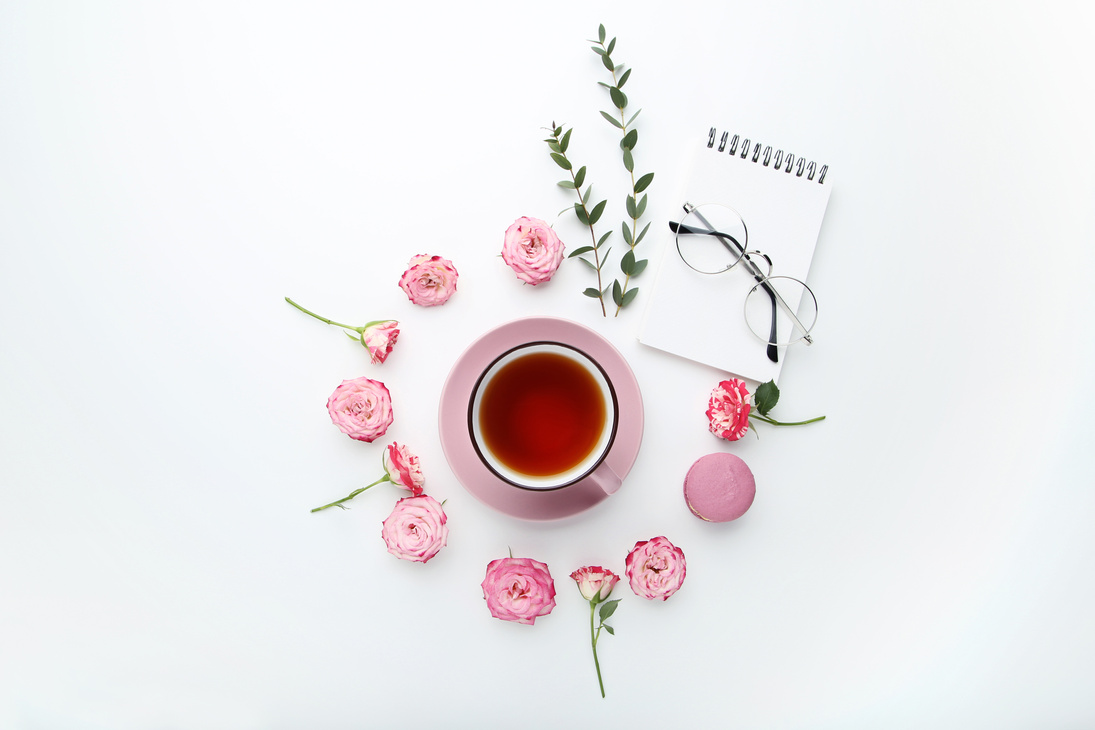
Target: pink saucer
[[527, 504], [719, 487]]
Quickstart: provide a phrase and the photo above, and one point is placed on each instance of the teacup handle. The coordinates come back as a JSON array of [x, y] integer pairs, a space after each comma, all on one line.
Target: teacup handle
[[605, 478]]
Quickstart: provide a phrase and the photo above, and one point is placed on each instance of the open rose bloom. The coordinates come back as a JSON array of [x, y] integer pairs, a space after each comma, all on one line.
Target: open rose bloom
[[429, 280], [379, 339], [361, 408], [655, 568], [728, 410], [403, 468], [518, 589], [416, 529], [532, 250]]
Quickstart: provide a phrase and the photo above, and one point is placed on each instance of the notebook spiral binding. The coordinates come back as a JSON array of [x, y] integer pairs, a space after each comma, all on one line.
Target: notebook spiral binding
[[755, 152]]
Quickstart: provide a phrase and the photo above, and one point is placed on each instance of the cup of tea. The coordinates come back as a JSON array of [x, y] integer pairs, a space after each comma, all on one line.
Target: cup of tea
[[543, 416]]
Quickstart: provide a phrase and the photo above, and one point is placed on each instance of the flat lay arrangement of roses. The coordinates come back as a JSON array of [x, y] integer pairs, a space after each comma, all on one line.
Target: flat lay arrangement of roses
[[522, 589]]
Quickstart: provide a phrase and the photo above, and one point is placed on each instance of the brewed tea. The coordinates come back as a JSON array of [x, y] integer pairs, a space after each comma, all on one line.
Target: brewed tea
[[542, 414]]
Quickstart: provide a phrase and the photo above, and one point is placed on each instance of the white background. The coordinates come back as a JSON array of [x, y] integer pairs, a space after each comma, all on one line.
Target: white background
[[168, 173]]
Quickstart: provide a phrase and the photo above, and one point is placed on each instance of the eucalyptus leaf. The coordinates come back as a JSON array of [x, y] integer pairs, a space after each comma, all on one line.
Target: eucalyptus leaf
[[640, 208], [597, 210], [603, 239], [629, 296], [592, 293], [629, 140], [585, 196], [639, 266], [617, 293], [568, 184], [604, 260], [619, 98], [629, 121], [598, 50], [554, 146], [580, 211], [607, 62], [630, 206], [623, 79], [627, 235], [589, 263], [613, 120], [580, 176], [561, 161], [601, 33], [627, 261], [611, 45], [642, 233], [579, 251], [629, 161], [565, 141], [643, 182], [766, 397]]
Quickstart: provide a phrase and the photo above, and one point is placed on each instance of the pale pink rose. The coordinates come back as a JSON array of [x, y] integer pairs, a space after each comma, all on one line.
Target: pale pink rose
[[655, 568], [403, 468], [416, 529], [429, 280], [361, 408], [728, 410], [595, 582], [532, 249], [379, 338], [518, 589]]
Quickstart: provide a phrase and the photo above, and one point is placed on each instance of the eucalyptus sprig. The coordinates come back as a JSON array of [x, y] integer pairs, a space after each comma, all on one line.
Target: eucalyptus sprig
[[631, 267], [586, 214]]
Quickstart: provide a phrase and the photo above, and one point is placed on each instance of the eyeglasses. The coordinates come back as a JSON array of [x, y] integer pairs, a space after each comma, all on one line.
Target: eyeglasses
[[779, 310]]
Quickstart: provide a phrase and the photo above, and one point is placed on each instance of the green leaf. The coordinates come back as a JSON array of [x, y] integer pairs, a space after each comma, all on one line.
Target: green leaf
[[642, 233], [589, 263], [592, 293], [619, 98], [613, 120], [627, 261], [561, 161], [618, 299], [643, 182], [629, 121], [554, 146], [607, 609], [630, 207], [603, 239], [611, 45], [585, 196], [601, 33], [629, 161], [638, 268], [579, 251], [597, 210], [629, 140], [627, 235], [640, 208], [623, 79], [568, 184], [604, 260], [766, 397], [580, 211], [607, 62], [598, 50], [565, 141], [629, 296], [609, 629], [580, 176]]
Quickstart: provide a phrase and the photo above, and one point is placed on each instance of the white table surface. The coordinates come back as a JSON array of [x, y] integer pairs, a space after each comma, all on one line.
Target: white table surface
[[168, 173]]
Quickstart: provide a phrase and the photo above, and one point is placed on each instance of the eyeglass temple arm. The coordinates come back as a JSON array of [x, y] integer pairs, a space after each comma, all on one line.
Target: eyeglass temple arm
[[754, 270]]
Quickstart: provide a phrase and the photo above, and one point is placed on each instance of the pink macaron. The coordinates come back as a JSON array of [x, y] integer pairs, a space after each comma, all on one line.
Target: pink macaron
[[719, 488]]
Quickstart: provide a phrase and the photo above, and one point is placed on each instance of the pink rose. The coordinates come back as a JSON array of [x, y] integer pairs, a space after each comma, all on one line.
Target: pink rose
[[416, 529], [403, 469], [594, 582], [532, 249], [728, 410], [361, 408], [429, 280], [518, 589], [655, 568], [379, 338]]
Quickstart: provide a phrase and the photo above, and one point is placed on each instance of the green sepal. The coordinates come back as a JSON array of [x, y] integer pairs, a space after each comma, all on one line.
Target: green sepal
[[766, 397]]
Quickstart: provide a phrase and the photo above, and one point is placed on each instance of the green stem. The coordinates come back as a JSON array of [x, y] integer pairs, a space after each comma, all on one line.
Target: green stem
[[781, 423], [593, 640], [323, 319], [351, 495]]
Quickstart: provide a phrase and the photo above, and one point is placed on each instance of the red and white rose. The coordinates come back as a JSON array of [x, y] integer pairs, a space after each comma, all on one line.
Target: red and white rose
[[533, 250], [416, 530], [518, 589], [361, 408], [429, 280], [655, 568]]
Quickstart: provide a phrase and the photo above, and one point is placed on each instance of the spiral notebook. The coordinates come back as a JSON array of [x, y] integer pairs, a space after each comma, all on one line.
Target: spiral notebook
[[782, 197]]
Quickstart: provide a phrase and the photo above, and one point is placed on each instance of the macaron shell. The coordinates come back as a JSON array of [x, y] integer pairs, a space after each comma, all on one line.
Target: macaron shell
[[719, 487]]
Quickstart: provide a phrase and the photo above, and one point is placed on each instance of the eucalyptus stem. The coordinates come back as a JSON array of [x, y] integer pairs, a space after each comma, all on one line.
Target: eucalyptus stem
[[351, 495]]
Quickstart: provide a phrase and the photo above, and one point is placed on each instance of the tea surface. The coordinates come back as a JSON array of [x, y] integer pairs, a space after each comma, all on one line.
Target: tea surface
[[542, 414]]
